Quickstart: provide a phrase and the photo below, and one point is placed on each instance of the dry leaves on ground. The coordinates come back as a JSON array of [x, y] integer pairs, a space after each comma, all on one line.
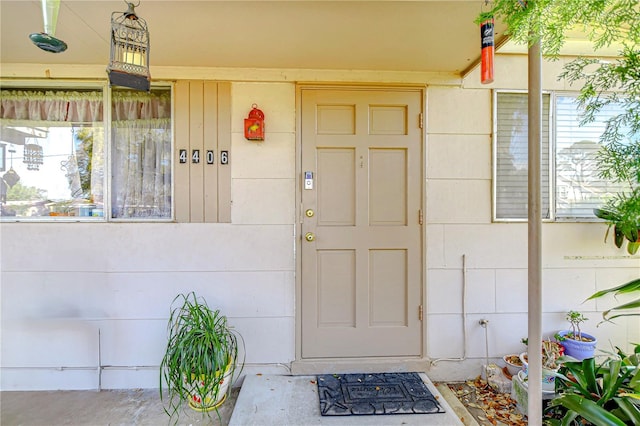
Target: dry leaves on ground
[[488, 406]]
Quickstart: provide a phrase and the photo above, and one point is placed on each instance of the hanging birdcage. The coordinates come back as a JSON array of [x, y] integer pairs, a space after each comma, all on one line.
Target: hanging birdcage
[[129, 58]]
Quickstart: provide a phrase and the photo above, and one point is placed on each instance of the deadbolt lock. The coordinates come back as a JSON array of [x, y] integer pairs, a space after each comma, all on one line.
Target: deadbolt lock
[[309, 213], [309, 236]]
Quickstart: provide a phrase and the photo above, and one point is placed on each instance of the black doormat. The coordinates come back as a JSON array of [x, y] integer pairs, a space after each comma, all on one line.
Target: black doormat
[[368, 394]]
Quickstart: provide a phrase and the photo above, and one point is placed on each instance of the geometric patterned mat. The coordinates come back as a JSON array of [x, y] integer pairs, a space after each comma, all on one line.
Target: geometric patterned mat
[[373, 394]]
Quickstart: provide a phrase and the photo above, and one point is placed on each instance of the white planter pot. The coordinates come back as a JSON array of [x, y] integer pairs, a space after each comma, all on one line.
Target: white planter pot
[[212, 400], [548, 375], [512, 368]]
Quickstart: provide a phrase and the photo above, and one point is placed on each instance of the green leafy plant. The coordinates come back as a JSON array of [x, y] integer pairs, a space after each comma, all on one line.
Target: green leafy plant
[[575, 318], [615, 83], [622, 213], [597, 394], [631, 287], [201, 354], [603, 84]]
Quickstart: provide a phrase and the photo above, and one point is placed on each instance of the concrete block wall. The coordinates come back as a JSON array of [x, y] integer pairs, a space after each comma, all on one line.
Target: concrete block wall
[[76, 296], [576, 262]]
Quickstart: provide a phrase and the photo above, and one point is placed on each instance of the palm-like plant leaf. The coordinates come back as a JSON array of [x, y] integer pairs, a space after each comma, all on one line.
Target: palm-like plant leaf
[[632, 286], [629, 409], [630, 305], [587, 409], [629, 287]]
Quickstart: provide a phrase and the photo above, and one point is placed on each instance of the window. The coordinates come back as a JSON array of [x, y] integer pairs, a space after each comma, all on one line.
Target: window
[[578, 188], [571, 188], [511, 188], [141, 154], [57, 159]]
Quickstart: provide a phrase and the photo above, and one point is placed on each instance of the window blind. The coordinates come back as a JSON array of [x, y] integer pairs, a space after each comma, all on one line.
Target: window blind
[[511, 183], [578, 188]]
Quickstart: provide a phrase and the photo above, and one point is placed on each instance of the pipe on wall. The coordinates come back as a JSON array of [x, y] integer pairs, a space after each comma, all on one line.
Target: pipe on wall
[[464, 317]]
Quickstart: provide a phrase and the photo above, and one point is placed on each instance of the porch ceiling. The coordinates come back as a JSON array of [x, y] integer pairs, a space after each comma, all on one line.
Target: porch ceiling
[[423, 35]]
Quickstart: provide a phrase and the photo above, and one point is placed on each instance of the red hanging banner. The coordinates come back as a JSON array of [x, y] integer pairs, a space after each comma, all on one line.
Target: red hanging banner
[[487, 42]]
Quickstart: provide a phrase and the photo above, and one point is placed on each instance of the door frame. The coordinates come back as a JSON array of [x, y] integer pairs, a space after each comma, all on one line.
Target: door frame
[[369, 364]]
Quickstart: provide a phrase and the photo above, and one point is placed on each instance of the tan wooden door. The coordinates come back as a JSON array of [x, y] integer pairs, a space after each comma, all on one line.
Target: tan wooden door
[[362, 271]]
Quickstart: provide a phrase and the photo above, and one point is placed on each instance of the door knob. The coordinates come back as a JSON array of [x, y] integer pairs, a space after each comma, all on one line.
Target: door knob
[[309, 213], [309, 236]]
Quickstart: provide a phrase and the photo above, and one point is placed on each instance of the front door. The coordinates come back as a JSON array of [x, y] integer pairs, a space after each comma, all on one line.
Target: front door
[[361, 249]]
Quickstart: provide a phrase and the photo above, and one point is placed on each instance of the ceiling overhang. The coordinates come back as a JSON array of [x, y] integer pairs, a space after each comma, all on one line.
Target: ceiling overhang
[[406, 36]]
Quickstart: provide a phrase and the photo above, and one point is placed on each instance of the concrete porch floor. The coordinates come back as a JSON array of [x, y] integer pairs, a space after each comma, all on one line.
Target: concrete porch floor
[[263, 400]]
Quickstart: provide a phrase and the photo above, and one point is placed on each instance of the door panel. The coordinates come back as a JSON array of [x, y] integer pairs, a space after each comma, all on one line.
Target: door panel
[[388, 303], [336, 288], [336, 169], [387, 187], [362, 265]]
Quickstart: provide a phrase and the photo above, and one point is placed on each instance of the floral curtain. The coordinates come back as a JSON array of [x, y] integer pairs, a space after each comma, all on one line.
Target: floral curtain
[[141, 149]]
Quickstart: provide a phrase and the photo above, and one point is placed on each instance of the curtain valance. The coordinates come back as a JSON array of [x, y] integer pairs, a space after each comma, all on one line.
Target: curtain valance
[[82, 106], [62, 106], [128, 105]]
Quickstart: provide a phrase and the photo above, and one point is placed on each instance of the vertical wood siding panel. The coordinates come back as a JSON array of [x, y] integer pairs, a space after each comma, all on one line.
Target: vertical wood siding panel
[[196, 142], [181, 171], [211, 144], [224, 144]]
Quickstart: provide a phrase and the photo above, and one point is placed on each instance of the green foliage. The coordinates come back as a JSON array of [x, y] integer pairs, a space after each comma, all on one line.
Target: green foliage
[[549, 21], [590, 393], [597, 394], [622, 213], [631, 287], [608, 83], [23, 199], [201, 345], [84, 154], [575, 318], [615, 81], [19, 192]]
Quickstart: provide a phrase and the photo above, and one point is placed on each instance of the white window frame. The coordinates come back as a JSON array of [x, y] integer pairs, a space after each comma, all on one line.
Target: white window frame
[[551, 150], [106, 92]]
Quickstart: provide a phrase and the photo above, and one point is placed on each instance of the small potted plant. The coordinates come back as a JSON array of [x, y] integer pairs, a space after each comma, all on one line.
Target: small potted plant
[[551, 352], [514, 364], [201, 358], [577, 344]]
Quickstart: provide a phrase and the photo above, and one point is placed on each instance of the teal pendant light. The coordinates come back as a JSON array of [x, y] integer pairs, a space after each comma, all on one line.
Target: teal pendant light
[[46, 40]]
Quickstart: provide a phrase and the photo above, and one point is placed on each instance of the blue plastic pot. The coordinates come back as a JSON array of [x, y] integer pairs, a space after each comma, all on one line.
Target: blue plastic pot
[[578, 349]]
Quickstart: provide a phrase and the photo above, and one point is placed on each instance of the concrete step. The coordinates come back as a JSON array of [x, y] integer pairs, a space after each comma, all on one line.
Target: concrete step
[[274, 400]]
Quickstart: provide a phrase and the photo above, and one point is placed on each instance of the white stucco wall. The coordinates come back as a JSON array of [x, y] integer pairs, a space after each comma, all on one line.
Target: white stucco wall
[[76, 295]]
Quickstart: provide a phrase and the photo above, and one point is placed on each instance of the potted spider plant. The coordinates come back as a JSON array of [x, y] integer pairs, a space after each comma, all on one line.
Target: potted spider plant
[[201, 358], [577, 344]]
